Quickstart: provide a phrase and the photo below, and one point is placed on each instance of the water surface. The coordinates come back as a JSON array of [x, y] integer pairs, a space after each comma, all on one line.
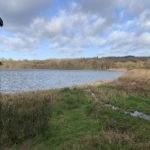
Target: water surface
[[20, 80]]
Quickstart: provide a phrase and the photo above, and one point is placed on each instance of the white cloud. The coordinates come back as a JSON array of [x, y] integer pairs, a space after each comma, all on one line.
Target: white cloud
[[145, 19], [100, 6], [136, 7], [145, 37], [71, 51], [18, 14], [22, 8], [118, 24], [125, 43], [73, 30], [18, 44]]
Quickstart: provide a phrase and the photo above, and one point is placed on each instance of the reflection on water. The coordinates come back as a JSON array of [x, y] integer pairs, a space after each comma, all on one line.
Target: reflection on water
[[35, 79]]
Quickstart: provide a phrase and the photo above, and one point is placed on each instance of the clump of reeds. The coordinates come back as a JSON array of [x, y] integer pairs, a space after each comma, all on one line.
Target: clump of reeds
[[23, 116]]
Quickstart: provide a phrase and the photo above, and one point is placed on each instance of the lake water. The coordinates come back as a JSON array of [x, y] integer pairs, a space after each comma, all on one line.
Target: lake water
[[21, 80]]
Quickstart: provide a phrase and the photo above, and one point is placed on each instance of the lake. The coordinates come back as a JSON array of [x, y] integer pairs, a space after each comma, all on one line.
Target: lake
[[21, 80]]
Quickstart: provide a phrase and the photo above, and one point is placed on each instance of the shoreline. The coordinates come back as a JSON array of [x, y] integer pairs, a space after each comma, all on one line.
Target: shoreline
[[115, 107]]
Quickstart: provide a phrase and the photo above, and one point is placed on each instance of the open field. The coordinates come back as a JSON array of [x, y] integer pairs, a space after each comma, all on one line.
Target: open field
[[79, 118]]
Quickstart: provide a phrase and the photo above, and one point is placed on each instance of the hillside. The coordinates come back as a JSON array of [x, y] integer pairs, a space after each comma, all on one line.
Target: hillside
[[128, 62]]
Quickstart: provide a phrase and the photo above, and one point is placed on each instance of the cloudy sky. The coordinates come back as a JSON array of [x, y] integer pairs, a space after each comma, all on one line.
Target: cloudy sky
[[41, 29]]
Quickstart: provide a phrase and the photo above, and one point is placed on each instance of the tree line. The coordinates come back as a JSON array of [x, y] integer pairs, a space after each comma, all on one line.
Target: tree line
[[127, 62]]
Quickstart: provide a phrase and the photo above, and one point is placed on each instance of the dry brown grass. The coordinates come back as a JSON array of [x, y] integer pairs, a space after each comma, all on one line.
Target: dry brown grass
[[137, 74], [118, 138], [125, 138], [23, 116], [82, 63], [137, 79]]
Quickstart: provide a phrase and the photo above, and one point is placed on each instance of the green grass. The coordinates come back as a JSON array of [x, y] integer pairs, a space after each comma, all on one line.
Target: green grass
[[79, 123], [124, 99], [132, 104]]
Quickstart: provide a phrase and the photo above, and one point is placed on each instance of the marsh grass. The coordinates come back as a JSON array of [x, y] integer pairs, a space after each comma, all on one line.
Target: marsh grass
[[134, 81], [23, 116]]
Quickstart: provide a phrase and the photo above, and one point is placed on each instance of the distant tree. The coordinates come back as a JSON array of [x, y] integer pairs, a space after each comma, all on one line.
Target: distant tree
[[1, 63]]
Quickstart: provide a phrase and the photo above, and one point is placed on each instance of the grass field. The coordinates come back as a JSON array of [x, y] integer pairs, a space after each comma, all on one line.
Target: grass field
[[79, 118]]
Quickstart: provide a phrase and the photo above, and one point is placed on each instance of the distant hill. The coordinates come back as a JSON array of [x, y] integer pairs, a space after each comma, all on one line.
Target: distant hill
[[127, 62]]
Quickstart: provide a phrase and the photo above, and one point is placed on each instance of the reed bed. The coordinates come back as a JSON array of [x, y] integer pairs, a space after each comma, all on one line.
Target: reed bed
[[24, 116]]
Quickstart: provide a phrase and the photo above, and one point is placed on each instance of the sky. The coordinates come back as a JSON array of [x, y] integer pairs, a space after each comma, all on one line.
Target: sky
[[43, 29]]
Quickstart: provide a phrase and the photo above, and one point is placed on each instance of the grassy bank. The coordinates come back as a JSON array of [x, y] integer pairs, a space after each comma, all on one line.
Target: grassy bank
[[23, 116], [80, 118]]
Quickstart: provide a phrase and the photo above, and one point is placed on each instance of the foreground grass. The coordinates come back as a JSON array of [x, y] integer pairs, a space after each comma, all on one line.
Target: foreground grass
[[23, 116], [80, 121]]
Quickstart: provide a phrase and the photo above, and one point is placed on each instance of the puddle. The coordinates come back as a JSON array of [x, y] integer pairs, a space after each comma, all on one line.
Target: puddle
[[111, 106], [140, 114], [134, 114], [114, 107]]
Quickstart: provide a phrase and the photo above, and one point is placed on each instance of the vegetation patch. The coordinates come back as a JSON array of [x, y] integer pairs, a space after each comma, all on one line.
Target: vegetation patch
[[72, 119], [128, 62], [23, 116]]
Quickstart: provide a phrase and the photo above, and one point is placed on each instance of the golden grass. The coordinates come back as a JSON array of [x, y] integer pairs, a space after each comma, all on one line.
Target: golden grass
[[137, 74], [135, 79], [25, 115], [82, 63]]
